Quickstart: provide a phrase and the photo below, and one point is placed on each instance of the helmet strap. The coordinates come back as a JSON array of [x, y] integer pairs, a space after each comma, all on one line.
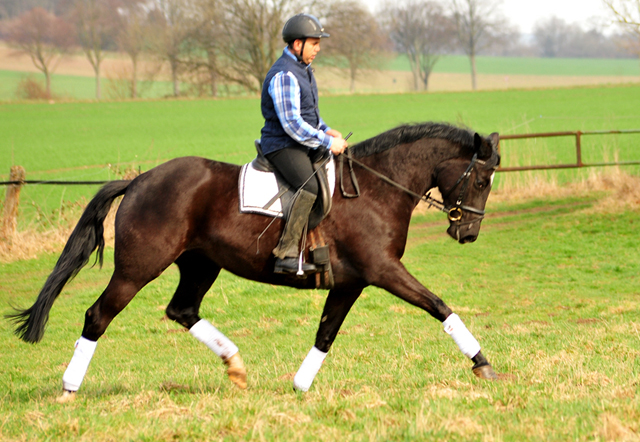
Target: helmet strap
[[299, 57]]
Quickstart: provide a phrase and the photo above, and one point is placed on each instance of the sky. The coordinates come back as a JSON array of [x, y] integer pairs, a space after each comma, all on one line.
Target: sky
[[525, 13]]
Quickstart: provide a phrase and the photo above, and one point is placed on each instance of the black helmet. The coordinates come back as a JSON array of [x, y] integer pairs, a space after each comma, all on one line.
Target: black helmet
[[302, 26]]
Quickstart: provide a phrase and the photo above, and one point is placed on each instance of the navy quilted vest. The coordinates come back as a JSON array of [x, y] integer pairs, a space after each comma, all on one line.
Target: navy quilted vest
[[273, 136]]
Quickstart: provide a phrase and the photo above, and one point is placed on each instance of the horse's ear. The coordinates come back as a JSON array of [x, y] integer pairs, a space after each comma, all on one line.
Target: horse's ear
[[495, 140], [485, 147], [477, 143]]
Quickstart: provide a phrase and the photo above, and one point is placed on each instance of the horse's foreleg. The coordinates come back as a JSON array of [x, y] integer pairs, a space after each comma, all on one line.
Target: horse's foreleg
[[336, 307], [197, 274], [398, 281]]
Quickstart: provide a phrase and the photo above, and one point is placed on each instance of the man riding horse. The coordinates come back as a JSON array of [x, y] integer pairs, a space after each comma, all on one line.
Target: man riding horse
[[293, 130]]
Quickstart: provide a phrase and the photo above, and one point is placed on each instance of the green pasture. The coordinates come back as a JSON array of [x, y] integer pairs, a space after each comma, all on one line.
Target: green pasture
[[529, 65], [550, 289], [98, 141], [76, 87]]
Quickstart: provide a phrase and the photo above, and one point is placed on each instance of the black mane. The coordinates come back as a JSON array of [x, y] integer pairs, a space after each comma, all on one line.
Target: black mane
[[412, 132]]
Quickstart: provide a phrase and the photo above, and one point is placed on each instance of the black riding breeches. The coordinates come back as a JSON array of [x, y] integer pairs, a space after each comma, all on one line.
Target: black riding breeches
[[294, 164]]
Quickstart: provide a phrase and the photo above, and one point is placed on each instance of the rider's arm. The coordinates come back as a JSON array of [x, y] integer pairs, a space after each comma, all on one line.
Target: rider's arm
[[285, 92]]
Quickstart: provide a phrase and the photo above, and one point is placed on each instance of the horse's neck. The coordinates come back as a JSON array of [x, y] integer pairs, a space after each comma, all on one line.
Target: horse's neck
[[413, 165]]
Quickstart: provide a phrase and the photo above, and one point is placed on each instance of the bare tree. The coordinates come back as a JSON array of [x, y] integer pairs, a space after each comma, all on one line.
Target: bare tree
[[44, 37], [626, 13], [422, 31], [477, 23], [202, 47], [95, 22], [131, 36], [552, 35], [172, 22], [253, 38], [355, 40]]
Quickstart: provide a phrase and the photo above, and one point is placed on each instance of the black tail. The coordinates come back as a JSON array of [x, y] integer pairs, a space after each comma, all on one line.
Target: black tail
[[85, 238]]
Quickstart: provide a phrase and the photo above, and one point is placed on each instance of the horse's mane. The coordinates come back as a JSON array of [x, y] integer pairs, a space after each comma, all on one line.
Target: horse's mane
[[409, 133]]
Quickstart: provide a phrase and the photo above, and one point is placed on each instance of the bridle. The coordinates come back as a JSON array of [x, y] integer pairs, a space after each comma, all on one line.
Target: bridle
[[454, 213]]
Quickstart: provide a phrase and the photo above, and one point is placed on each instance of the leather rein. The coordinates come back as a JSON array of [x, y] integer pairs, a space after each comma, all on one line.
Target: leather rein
[[454, 213]]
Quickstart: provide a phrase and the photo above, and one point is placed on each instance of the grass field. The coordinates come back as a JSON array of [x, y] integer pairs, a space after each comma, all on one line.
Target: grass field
[[529, 66], [550, 289], [96, 141]]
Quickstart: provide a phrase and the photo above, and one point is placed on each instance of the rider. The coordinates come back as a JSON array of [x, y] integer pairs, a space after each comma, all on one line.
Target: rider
[[293, 131]]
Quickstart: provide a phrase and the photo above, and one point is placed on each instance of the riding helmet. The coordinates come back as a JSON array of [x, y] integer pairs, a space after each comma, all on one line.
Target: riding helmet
[[302, 26]]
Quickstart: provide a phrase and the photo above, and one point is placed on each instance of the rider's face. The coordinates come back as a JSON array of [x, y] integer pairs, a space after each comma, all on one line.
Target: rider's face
[[311, 49]]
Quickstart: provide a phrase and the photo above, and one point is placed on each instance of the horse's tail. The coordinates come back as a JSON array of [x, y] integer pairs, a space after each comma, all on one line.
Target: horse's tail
[[85, 238]]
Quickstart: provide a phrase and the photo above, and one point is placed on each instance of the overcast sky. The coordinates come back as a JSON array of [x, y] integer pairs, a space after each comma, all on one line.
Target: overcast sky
[[525, 13]]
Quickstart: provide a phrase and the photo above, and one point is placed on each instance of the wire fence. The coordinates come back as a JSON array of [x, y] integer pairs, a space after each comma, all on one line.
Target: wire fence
[[578, 163]]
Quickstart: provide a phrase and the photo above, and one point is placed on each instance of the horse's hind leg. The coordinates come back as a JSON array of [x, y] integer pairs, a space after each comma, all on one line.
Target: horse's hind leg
[[197, 273], [113, 300], [336, 308]]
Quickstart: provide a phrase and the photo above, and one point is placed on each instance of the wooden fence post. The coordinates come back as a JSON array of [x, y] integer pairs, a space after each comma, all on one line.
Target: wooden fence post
[[11, 203]]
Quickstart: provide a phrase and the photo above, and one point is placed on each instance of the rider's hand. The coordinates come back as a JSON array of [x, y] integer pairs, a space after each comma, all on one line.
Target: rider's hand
[[338, 145], [334, 133]]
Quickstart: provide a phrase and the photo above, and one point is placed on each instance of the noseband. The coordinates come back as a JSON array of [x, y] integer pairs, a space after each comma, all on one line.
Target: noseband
[[454, 213]]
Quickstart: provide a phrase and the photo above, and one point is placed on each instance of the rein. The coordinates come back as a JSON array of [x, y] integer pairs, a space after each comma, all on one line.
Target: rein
[[454, 214]]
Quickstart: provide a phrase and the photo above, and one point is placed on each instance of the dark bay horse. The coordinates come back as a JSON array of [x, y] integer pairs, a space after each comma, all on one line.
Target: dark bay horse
[[186, 212]]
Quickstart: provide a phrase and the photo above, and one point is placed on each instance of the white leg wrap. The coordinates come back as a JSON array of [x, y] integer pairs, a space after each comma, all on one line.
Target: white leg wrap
[[77, 368], [210, 336], [468, 345], [309, 369]]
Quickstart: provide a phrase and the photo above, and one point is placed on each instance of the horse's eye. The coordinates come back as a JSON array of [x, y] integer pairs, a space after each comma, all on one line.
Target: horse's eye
[[481, 184]]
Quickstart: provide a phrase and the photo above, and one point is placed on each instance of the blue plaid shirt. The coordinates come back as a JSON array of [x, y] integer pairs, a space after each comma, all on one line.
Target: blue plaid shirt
[[285, 92]]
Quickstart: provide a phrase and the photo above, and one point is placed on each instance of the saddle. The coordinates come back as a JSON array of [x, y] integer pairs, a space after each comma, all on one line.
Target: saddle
[[286, 193], [263, 190]]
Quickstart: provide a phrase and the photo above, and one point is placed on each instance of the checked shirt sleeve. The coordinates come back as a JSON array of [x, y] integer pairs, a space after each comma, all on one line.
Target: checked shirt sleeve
[[285, 92]]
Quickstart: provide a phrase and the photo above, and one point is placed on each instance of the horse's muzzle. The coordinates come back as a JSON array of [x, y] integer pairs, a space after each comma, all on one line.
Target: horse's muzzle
[[464, 233]]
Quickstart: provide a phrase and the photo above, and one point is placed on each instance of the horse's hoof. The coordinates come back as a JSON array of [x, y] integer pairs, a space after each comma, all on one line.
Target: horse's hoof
[[236, 371], [67, 396], [485, 372]]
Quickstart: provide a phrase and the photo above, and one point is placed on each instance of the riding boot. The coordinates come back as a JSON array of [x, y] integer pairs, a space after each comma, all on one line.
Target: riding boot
[[286, 252]]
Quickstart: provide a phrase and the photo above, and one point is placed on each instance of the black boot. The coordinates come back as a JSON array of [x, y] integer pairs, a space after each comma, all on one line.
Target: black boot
[[286, 252]]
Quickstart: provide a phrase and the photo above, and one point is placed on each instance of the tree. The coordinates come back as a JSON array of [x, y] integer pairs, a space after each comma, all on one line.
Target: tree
[[626, 13], [131, 38], [552, 35], [253, 39], [203, 44], [355, 38], [171, 23], [477, 23], [422, 31], [44, 37], [556, 38], [95, 22]]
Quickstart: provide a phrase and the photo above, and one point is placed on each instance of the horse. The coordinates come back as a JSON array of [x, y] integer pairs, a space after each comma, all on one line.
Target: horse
[[185, 211]]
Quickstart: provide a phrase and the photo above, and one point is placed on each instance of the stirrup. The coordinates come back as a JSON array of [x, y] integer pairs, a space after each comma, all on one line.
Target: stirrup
[[293, 266]]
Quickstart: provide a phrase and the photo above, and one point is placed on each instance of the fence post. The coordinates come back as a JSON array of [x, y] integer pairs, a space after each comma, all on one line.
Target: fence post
[[11, 203]]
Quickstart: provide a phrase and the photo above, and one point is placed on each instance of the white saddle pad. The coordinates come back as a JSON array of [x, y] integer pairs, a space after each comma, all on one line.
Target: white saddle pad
[[257, 189]]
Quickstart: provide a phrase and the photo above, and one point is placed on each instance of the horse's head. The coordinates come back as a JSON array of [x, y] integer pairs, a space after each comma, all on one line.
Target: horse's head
[[465, 183]]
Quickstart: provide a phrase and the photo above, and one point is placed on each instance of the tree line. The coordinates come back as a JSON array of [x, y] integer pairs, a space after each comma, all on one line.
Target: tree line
[[234, 42]]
